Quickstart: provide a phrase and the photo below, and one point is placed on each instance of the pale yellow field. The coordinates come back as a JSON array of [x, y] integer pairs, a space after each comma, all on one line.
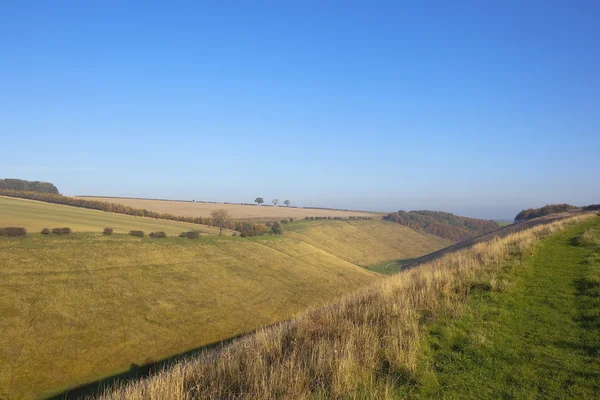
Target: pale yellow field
[[36, 215], [236, 211], [80, 307], [365, 243]]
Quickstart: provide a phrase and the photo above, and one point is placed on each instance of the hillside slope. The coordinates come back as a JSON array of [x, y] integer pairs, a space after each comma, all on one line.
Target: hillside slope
[[364, 242], [80, 307], [35, 215], [373, 344]]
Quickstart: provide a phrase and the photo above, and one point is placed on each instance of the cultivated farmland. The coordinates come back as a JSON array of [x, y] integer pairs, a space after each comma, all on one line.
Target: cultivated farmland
[[34, 216], [236, 211]]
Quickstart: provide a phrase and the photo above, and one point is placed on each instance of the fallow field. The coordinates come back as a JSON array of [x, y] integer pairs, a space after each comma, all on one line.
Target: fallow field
[[236, 211]]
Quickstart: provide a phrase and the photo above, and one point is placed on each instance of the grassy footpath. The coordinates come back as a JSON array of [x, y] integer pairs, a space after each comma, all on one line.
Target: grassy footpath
[[538, 338]]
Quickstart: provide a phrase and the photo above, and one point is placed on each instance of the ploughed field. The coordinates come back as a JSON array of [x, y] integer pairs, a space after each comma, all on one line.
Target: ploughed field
[[80, 307], [236, 211]]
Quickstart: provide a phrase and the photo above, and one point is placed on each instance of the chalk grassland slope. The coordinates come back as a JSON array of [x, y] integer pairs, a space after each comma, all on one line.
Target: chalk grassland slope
[[365, 243], [81, 307], [34, 216], [236, 211], [367, 345]]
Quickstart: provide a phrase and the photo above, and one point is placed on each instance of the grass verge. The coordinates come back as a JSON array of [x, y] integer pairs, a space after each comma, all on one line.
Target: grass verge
[[534, 334]]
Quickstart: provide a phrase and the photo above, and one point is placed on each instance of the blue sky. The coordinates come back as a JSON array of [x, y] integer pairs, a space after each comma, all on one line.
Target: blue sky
[[478, 108]]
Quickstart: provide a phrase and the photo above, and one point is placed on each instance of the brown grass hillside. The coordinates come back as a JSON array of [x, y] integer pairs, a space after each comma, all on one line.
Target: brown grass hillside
[[362, 346], [81, 307], [365, 242]]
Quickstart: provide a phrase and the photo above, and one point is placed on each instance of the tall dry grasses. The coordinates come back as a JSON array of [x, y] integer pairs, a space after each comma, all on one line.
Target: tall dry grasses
[[362, 346]]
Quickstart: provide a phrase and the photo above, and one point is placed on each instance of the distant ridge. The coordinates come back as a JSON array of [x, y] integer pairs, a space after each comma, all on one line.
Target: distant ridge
[[443, 224]]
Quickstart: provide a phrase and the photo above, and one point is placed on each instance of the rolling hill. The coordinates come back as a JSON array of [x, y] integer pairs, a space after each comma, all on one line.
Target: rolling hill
[[35, 215], [364, 243], [512, 317], [120, 300]]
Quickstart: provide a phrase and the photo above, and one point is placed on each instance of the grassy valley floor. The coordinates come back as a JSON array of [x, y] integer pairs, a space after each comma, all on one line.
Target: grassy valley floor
[[538, 338]]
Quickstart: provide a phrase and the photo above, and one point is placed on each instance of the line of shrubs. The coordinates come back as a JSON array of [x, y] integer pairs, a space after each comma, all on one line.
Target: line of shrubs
[[336, 218], [19, 231]]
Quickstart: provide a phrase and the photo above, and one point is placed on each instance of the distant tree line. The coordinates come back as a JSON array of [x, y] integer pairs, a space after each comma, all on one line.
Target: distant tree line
[[530, 213], [27, 186], [442, 224], [245, 228]]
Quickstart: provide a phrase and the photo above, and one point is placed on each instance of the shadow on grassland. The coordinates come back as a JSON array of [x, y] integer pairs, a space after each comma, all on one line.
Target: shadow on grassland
[[137, 371]]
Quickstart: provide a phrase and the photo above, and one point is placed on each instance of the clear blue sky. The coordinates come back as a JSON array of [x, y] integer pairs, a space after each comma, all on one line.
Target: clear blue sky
[[471, 107]]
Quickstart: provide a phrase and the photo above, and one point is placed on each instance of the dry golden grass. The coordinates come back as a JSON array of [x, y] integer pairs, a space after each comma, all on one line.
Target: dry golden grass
[[36, 215], [365, 242], [362, 346], [79, 307], [236, 211]]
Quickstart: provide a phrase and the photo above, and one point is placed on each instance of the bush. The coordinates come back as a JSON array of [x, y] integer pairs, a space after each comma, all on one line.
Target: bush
[[61, 231], [234, 234], [108, 231], [13, 231], [45, 231], [159, 234], [183, 234], [192, 235], [276, 229], [137, 233]]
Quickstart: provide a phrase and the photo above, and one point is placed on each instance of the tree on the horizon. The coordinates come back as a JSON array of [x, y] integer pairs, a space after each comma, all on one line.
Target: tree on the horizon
[[259, 200], [219, 218], [287, 203], [275, 202]]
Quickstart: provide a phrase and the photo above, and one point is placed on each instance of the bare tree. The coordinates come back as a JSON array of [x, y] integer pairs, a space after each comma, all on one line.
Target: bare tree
[[287, 203], [219, 218], [275, 202], [259, 200]]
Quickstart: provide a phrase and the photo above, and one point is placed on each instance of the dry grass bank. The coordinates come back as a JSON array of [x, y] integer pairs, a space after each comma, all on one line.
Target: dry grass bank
[[363, 346], [365, 242], [236, 211], [77, 308]]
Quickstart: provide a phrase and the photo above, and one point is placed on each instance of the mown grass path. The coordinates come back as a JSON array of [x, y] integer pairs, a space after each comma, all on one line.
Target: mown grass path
[[539, 338]]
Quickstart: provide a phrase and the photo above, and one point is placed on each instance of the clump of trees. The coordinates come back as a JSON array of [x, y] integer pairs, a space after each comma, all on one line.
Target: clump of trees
[[548, 209], [442, 224], [13, 231], [121, 209], [45, 231], [137, 233], [27, 186], [108, 231]]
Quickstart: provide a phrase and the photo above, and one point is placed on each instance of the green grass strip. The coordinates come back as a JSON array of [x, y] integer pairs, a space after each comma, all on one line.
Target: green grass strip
[[539, 338]]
